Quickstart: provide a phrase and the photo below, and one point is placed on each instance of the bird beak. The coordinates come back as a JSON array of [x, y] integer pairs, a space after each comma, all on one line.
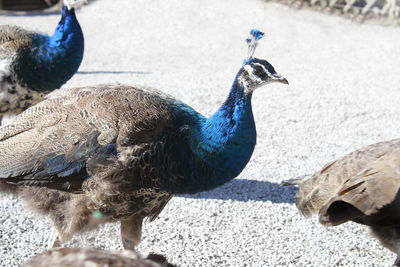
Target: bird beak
[[278, 78]]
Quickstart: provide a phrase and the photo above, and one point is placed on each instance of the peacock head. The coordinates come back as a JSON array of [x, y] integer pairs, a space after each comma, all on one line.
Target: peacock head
[[71, 4], [256, 72]]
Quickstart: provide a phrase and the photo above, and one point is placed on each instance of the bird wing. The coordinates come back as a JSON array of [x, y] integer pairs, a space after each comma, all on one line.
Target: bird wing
[[13, 38], [368, 192], [315, 192], [14, 96], [57, 138]]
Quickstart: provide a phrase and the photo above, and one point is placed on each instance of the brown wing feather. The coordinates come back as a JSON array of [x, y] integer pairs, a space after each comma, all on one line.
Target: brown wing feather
[[12, 39], [15, 98], [367, 193], [73, 128], [120, 114], [315, 192]]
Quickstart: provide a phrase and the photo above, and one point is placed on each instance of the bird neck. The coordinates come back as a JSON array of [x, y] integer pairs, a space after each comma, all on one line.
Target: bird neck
[[227, 139], [55, 59], [68, 31]]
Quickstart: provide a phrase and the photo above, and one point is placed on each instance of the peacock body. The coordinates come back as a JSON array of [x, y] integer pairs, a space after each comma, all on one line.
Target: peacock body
[[119, 153], [33, 64], [363, 187]]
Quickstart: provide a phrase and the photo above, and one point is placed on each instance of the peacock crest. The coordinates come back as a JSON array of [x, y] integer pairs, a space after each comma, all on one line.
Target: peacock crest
[[252, 42]]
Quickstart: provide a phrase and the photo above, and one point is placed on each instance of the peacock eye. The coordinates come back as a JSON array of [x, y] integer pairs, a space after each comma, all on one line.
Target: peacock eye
[[259, 71]]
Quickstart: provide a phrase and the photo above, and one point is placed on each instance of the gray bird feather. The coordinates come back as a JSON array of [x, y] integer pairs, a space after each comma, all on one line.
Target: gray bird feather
[[362, 187], [66, 139]]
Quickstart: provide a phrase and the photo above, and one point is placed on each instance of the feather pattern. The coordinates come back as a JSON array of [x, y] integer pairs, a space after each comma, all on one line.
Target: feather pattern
[[123, 151], [32, 64], [315, 192], [95, 258], [363, 187]]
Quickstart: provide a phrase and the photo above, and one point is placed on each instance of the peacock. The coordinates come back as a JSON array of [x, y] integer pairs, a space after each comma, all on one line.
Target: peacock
[[362, 187], [32, 64], [63, 257], [96, 154]]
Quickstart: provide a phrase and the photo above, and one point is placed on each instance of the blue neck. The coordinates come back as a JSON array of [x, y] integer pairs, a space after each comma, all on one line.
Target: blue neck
[[227, 139], [202, 154], [68, 30], [55, 59]]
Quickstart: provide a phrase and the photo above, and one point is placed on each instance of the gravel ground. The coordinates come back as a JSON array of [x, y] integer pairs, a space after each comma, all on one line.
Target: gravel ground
[[343, 94]]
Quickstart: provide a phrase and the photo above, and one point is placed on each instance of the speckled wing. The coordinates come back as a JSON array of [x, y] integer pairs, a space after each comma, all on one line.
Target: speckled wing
[[14, 98], [367, 193], [12, 39], [57, 138], [316, 191]]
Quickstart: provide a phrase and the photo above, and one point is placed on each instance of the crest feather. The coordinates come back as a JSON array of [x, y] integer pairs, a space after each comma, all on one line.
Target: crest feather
[[252, 42]]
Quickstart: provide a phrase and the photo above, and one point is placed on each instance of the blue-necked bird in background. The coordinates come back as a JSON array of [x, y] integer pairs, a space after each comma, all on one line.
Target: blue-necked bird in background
[[32, 64]]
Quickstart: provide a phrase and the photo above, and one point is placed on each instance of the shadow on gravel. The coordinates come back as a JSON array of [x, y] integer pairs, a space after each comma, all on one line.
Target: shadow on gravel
[[247, 190], [113, 72]]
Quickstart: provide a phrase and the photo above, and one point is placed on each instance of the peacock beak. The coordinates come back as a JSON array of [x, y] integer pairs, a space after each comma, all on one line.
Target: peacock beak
[[278, 78]]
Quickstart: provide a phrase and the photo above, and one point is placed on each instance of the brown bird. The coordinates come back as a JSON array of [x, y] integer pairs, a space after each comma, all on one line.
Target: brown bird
[[361, 187], [64, 257]]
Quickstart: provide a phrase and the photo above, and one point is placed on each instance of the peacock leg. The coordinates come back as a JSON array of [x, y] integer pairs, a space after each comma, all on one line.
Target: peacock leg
[[54, 240], [131, 232]]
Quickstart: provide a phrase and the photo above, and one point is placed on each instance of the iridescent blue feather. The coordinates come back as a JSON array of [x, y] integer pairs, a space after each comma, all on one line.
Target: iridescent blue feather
[[33, 64], [52, 60], [252, 41]]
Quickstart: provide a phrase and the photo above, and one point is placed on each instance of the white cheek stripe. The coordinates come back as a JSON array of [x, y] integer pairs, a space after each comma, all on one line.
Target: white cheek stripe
[[253, 77]]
